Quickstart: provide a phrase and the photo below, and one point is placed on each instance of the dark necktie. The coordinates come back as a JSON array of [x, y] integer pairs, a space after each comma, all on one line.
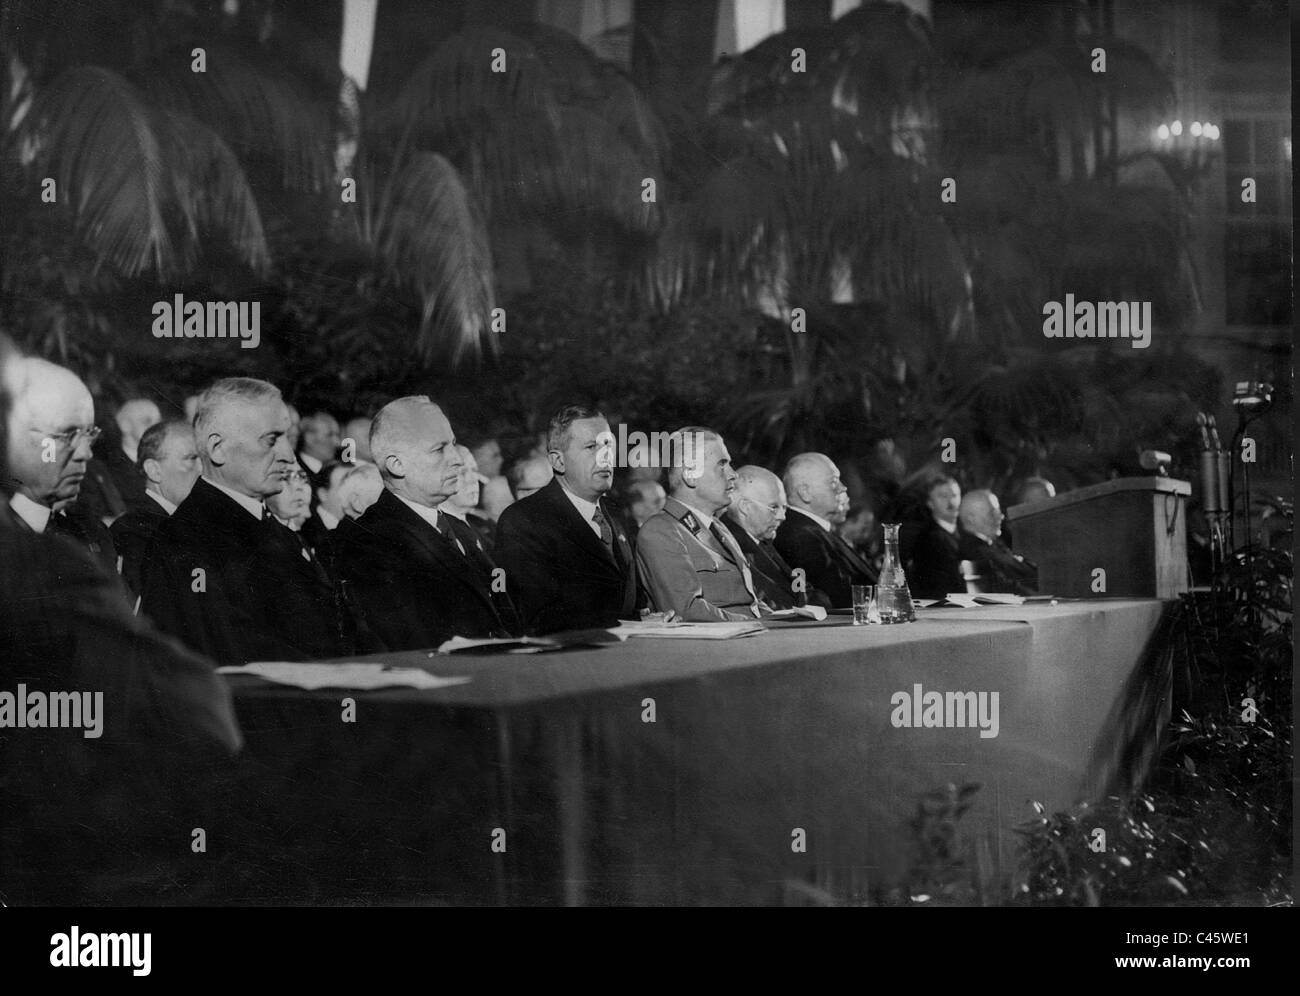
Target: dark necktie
[[734, 554], [446, 529], [606, 531]]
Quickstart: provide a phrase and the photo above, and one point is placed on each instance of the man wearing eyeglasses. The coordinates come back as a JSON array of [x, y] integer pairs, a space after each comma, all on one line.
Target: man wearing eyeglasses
[[756, 513], [51, 429]]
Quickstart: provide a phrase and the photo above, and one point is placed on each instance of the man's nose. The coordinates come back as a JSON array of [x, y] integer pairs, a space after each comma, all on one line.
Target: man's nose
[[82, 452]]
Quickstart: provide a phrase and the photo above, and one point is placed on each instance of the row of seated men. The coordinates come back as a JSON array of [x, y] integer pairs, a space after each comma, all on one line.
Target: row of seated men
[[230, 559]]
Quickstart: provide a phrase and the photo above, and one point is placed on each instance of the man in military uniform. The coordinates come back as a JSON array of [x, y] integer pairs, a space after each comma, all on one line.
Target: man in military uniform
[[690, 563]]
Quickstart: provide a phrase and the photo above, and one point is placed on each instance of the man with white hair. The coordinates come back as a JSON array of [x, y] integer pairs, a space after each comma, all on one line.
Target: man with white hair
[[418, 574], [218, 574], [980, 524], [756, 512], [51, 429], [690, 563], [807, 540]]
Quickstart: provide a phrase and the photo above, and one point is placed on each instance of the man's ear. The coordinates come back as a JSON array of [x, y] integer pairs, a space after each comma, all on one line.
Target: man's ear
[[394, 464], [215, 449], [152, 471], [557, 460]]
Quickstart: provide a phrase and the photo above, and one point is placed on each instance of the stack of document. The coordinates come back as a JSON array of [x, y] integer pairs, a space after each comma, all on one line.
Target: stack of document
[[965, 601], [690, 630], [355, 674]]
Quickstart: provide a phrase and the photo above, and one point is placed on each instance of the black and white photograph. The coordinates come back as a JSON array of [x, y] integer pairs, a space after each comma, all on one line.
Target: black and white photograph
[[646, 453]]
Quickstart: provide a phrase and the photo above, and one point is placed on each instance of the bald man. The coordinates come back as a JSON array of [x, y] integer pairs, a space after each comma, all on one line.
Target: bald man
[[980, 526], [420, 576], [807, 539], [690, 563], [51, 428], [757, 511], [219, 574]]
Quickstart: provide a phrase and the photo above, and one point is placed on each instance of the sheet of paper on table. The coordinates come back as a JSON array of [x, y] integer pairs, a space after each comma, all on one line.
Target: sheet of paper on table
[[533, 644], [800, 612], [989, 598], [689, 630], [357, 675]]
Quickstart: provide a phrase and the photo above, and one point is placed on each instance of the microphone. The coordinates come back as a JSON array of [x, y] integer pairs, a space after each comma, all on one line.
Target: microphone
[[1155, 460]]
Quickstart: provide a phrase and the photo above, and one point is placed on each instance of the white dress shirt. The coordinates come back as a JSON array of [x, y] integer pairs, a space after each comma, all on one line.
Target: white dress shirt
[[166, 506], [253, 506], [328, 519], [585, 508], [824, 523], [33, 513]]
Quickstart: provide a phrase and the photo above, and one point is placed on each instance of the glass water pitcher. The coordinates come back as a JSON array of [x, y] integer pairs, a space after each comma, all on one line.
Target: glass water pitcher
[[892, 595]]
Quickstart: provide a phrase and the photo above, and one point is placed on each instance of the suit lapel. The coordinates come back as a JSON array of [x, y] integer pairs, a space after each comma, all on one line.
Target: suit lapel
[[578, 530], [424, 537]]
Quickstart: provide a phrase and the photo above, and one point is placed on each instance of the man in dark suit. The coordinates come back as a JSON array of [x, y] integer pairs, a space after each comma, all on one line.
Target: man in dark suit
[[83, 819], [757, 511], [218, 575], [113, 484], [807, 538], [935, 570], [568, 559], [52, 428], [327, 511], [420, 576], [688, 561], [999, 569], [168, 461]]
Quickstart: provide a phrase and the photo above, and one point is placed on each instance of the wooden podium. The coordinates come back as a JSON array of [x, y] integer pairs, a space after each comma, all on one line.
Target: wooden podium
[[1133, 528]]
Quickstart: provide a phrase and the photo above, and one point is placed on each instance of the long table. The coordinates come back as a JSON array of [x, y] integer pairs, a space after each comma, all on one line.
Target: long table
[[754, 771]]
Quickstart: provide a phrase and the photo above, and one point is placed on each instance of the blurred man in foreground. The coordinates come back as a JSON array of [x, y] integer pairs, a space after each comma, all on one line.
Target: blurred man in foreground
[[92, 820]]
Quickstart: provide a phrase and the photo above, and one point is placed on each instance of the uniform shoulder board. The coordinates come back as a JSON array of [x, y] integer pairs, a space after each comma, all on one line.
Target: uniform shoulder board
[[691, 523]]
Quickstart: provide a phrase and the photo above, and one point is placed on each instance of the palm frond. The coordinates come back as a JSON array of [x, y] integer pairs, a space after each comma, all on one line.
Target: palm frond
[[258, 108], [212, 193], [100, 141], [143, 188], [431, 237]]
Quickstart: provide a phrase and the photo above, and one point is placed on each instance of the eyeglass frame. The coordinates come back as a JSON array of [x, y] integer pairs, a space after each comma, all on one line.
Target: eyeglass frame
[[71, 437]]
